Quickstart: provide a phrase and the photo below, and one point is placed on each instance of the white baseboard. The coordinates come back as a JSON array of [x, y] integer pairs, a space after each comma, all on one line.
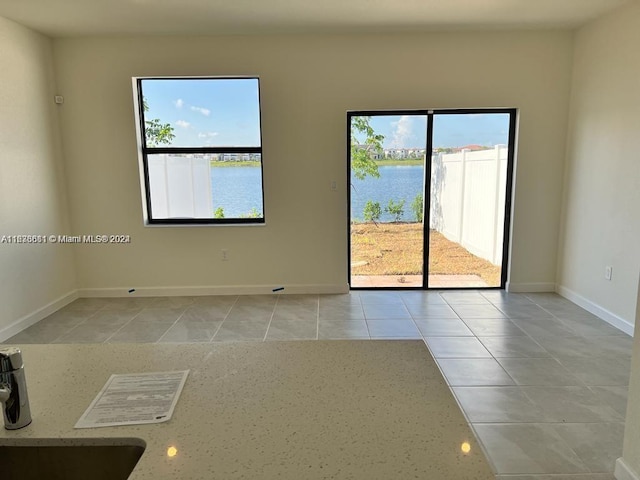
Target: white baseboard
[[609, 317], [530, 287], [34, 317], [623, 472], [213, 290]]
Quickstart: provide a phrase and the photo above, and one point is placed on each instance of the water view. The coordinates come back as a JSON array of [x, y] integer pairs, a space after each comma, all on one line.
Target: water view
[[467, 189], [396, 183], [237, 190]]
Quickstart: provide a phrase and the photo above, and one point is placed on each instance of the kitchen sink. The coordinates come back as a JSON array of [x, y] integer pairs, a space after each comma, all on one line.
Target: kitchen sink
[[77, 459]]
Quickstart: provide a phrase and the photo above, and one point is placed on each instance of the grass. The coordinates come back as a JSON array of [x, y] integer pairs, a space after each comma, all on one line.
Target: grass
[[238, 163], [398, 162], [256, 163], [396, 249]]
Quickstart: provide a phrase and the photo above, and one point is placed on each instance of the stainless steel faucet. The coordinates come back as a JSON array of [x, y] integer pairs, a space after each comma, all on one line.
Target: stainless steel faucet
[[13, 389]]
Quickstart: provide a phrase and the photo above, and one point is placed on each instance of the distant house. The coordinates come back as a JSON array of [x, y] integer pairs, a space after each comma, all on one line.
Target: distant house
[[375, 155], [404, 153], [471, 148]]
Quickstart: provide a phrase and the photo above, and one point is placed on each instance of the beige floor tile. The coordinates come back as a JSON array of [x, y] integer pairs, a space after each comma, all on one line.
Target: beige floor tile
[[493, 327], [442, 327], [242, 330], [539, 371], [341, 312], [92, 333], [528, 448], [191, 331], [467, 372], [397, 328], [521, 346], [292, 329], [597, 444], [498, 405], [342, 330], [144, 332], [571, 405], [456, 347]]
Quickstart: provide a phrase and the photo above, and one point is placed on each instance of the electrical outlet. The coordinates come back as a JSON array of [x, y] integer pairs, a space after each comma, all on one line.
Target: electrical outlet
[[334, 185], [224, 254], [608, 272]]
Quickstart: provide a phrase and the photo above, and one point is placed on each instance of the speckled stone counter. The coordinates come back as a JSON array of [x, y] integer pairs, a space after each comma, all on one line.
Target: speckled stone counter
[[275, 410]]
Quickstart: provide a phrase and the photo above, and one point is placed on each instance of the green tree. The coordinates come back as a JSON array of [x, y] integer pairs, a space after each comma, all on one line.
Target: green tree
[[395, 209], [417, 207], [362, 162], [219, 213], [156, 132], [372, 211]]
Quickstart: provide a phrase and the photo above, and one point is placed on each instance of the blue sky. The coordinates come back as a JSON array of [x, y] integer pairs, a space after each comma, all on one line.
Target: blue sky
[[449, 130], [205, 112], [226, 113]]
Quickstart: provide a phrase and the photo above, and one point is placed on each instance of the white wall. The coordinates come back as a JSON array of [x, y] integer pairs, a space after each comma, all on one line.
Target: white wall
[[32, 199], [468, 198], [307, 85], [601, 225], [628, 466], [601, 217]]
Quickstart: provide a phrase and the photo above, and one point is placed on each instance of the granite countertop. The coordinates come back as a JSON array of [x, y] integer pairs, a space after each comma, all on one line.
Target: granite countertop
[[286, 410]]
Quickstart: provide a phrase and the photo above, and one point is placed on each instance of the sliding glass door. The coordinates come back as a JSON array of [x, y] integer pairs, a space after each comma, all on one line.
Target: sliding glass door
[[387, 175], [430, 198]]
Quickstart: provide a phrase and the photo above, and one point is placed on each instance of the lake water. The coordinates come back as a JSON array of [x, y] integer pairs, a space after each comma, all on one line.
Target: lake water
[[396, 183], [238, 190]]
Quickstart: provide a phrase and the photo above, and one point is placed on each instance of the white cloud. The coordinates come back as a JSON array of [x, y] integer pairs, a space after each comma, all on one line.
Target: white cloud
[[207, 134], [179, 103], [183, 124], [403, 131], [204, 111]]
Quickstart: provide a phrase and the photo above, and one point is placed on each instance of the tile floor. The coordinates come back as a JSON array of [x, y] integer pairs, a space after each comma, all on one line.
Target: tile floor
[[404, 281], [542, 382]]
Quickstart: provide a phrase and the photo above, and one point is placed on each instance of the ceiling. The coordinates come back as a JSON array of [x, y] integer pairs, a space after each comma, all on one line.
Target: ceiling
[[63, 18]]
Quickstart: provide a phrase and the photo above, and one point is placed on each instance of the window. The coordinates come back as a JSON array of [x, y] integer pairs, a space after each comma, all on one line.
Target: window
[[201, 150]]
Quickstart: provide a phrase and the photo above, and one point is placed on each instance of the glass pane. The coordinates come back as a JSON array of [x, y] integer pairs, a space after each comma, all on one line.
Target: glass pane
[[205, 186], [202, 112], [387, 184], [468, 185]]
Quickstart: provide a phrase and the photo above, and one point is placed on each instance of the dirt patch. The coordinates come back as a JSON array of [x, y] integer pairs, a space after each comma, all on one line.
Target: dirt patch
[[396, 249]]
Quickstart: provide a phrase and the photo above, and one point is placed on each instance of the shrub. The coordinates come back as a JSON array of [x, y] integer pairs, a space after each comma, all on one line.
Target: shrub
[[417, 207], [372, 211], [254, 213], [395, 209], [219, 213]]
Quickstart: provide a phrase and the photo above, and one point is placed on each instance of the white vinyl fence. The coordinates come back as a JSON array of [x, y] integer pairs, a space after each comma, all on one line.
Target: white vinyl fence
[[468, 197], [180, 187]]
